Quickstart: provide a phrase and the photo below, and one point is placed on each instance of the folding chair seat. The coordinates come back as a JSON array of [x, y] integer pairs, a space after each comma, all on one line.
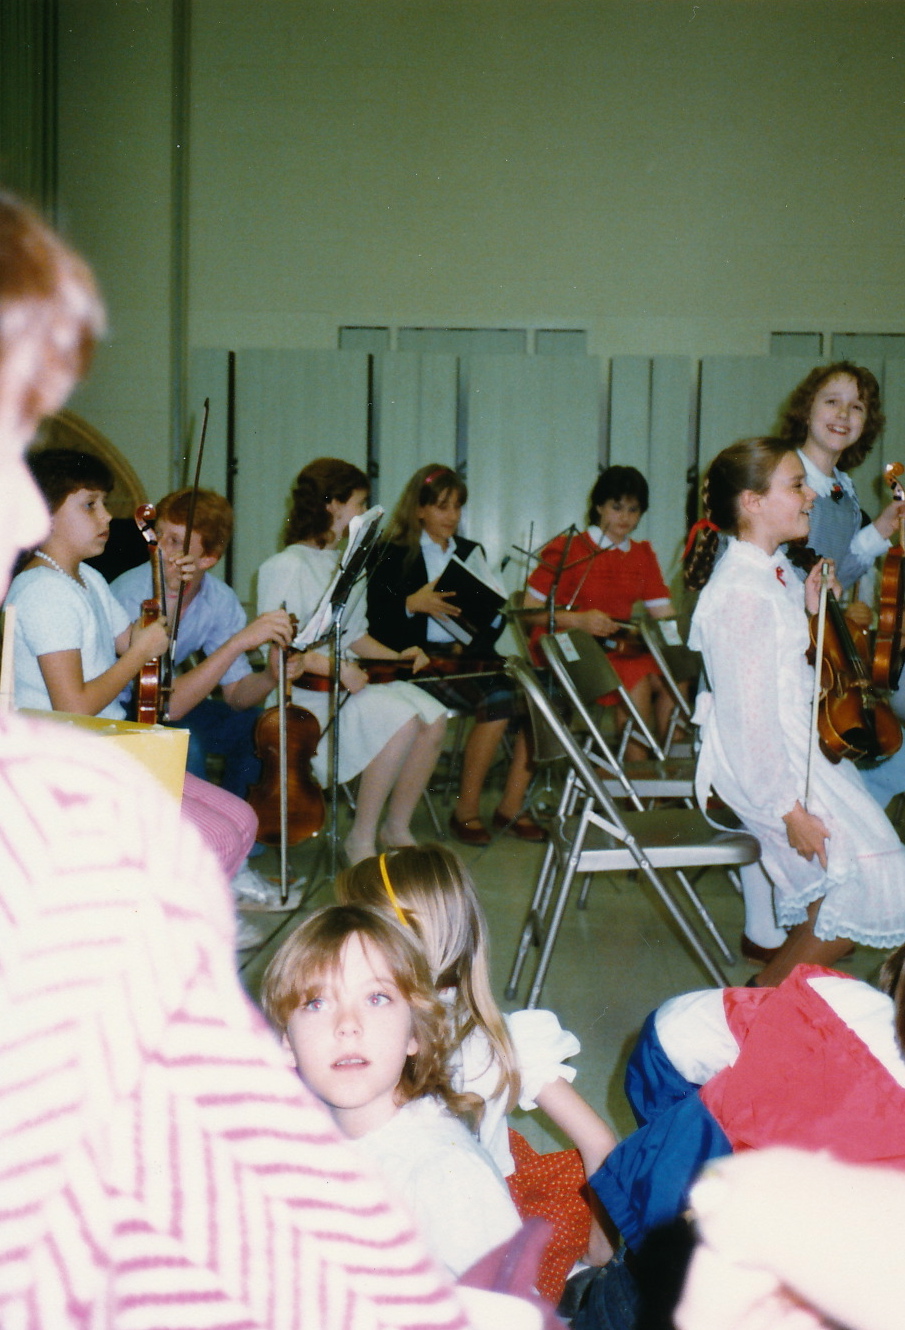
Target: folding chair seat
[[590, 834], [583, 672]]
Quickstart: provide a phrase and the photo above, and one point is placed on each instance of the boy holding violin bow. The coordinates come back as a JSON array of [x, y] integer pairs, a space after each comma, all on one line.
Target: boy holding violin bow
[[212, 624]]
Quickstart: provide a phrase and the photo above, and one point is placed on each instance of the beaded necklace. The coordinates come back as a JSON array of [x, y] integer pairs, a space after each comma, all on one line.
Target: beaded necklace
[[53, 563]]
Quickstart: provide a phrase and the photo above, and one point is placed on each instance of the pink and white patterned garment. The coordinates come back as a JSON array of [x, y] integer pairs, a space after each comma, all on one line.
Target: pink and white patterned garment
[[159, 1165]]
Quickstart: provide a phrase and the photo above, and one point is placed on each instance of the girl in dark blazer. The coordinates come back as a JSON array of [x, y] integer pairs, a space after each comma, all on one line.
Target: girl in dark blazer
[[405, 609]]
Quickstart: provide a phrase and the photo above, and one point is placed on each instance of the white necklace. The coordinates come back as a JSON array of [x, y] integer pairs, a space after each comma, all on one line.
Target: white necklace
[[53, 563]]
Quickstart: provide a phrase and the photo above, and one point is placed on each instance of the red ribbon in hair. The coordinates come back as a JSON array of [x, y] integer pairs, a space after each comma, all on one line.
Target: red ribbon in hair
[[702, 524], [435, 475]]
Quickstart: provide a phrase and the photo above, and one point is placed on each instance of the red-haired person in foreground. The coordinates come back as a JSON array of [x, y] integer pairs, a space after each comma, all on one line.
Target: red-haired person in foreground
[[161, 1166]]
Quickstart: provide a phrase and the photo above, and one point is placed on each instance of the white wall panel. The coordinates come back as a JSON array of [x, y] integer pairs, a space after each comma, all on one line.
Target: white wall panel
[[533, 438], [741, 397], [651, 422], [291, 406], [415, 416]]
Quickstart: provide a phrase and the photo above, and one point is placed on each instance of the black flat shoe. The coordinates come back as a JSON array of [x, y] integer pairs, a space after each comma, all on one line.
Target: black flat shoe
[[523, 826], [470, 832]]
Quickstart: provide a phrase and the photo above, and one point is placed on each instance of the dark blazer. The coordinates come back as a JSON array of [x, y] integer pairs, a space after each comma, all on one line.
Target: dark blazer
[[388, 586]]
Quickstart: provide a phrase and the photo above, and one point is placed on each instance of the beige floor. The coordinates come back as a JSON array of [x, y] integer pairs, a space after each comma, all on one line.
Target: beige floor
[[615, 961]]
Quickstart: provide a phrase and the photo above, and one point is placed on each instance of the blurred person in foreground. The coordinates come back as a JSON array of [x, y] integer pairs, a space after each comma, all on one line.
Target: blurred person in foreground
[[162, 1166]]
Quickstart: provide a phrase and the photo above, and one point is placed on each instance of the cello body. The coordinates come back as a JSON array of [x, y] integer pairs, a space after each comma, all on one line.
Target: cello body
[[304, 798]]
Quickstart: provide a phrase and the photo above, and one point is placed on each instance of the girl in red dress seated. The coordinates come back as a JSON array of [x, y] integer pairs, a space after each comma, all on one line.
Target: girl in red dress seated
[[603, 574]]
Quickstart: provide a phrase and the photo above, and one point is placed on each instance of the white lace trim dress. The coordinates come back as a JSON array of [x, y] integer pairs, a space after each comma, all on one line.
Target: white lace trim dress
[[298, 576], [751, 626], [540, 1045]]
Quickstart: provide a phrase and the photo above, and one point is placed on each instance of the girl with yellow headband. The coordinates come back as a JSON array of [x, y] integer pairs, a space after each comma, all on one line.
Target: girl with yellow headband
[[351, 993], [507, 1061]]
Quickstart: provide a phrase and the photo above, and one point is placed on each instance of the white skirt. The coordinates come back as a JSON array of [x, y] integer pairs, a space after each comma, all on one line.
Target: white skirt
[[367, 721]]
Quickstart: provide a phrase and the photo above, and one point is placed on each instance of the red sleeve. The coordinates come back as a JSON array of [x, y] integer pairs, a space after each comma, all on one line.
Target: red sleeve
[[654, 588]]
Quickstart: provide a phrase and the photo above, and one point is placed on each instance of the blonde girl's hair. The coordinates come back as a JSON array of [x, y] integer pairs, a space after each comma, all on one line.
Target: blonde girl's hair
[[427, 486], [438, 898], [297, 970]]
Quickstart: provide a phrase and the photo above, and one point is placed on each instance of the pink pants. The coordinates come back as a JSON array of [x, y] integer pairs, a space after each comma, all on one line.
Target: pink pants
[[228, 825]]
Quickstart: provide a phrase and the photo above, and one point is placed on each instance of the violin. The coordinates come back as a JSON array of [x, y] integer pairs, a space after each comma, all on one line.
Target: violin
[[152, 699], [888, 659], [287, 799], [388, 669], [853, 720], [626, 642]]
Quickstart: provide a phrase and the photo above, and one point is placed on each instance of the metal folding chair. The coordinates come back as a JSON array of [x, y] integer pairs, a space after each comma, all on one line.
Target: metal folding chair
[[589, 834], [678, 664], [584, 673]]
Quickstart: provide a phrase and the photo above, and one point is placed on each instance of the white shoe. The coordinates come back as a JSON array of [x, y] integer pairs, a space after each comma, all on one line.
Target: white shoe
[[253, 891], [247, 934]]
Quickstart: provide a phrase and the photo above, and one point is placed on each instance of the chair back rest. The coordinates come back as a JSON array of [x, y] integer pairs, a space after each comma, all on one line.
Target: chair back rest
[[677, 662], [538, 702], [545, 745], [584, 660], [517, 623]]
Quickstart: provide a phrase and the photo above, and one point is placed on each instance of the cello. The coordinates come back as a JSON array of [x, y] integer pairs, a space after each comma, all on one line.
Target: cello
[[287, 799]]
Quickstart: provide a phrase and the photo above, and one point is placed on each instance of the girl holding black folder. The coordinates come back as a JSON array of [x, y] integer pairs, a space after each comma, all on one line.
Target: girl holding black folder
[[405, 609]]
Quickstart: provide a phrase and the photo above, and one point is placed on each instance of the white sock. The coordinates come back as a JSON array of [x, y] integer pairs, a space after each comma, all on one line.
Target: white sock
[[760, 923]]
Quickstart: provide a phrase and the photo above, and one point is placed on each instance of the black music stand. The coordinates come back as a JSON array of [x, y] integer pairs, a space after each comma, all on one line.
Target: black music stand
[[327, 623]]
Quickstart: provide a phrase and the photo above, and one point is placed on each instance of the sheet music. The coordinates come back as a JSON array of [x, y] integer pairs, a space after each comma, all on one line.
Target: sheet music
[[362, 534]]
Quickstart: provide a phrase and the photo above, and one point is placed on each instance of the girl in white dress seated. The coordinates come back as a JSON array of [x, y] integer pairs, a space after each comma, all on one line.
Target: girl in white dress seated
[[517, 1059], [836, 863], [351, 992], [392, 733]]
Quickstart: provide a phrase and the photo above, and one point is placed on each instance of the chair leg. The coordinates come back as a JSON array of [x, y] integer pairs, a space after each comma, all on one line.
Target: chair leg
[[533, 927], [705, 917], [546, 954], [432, 813], [685, 928]]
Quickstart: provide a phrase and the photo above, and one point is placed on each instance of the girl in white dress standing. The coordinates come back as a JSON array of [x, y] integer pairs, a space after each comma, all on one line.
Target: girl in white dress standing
[[837, 866], [392, 733]]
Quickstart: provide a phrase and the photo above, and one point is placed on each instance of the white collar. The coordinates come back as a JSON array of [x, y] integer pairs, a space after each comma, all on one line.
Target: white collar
[[605, 543], [821, 484], [430, 546]]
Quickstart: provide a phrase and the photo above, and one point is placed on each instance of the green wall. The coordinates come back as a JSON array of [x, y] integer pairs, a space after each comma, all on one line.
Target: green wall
[[676, 178]]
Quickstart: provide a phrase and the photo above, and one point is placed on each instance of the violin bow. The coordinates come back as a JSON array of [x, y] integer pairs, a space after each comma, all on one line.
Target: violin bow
[[818, 676], [186, 541], [284, 777]]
